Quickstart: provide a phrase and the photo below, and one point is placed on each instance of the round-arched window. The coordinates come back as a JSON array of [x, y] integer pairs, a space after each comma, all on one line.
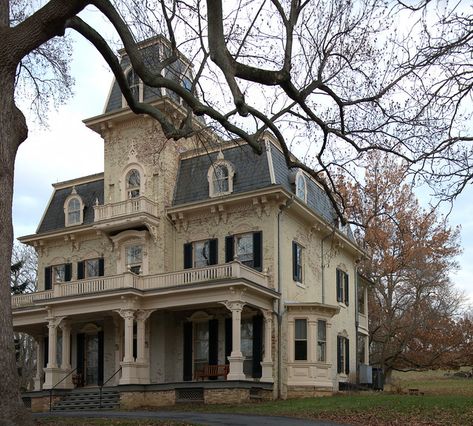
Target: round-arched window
[[301, 187], [134, 83], [73, 211], [220, 178], [133, 182]]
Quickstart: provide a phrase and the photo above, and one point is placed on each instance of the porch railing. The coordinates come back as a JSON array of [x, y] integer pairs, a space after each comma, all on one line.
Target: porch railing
[[233, 270]]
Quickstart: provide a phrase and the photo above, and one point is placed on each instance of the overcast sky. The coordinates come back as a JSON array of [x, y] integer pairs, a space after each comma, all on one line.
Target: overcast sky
[[67, 149]]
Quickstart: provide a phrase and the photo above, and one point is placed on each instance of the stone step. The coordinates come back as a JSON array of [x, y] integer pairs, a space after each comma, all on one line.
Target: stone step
[[81, 399]]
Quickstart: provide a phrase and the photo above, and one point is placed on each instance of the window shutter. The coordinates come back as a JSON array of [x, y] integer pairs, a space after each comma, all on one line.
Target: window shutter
[[188, 255], [80, 270], [213, 342], [346, 289], [187, 367], [257, 250], [228, 339], [347, 356], [229, 249], [47, 278], [101, 267], [339, 355], [67, 271], [339, 286], [213, 251], [294, 261], [257, 345]]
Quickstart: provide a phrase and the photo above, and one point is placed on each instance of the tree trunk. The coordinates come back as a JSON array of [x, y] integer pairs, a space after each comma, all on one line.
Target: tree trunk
[[13, 131]]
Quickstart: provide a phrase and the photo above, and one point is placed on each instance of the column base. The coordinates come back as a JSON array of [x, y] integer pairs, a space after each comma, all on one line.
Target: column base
[[52, 376], [236, 368], [267, 372], [134, 373], [38, 383]]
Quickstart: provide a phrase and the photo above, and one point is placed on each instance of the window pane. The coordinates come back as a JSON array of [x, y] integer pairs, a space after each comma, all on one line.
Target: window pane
[[92, 268], [321, 351], [247, 337], [134, 254], [244, 248], [321, 330], [300, 352], [300, 187], [201, 254], [301, 329], [221, 178], [59, 273]]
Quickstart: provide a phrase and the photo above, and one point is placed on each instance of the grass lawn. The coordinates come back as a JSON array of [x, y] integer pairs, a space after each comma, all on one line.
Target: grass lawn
[[444, 400]]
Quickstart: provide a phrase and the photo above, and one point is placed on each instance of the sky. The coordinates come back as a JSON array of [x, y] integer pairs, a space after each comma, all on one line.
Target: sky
[[68, 149]]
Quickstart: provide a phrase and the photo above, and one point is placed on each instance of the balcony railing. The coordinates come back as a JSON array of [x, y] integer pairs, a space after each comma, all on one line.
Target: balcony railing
[[125, 208], [233, 270]]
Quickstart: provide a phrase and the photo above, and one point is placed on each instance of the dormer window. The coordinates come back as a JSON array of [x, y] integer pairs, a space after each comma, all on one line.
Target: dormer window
[[135, 85], [301, 186], [133, 182], [220, 177], [73, 209]]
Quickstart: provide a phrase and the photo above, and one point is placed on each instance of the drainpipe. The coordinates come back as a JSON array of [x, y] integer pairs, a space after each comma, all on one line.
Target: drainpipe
[[322, 266], [357, 323], [280, 313]]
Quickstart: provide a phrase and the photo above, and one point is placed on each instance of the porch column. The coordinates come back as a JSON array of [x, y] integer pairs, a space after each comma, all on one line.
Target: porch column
[[267, 363], [236, 357], [142, 356], [52, 372], [66, 346], [39, 340], [129, 371]]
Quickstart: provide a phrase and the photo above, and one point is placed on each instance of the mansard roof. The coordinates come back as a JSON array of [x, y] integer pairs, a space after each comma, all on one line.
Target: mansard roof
[[252, 172], [89, 188]]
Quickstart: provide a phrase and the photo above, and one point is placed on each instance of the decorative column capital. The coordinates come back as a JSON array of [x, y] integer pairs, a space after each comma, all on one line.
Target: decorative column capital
[[54, 322], [126, 314], [234, 305], [143, 315], [267, 315]]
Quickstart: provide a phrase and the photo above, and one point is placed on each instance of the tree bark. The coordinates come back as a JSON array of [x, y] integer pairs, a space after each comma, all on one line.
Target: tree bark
[[13, 132]]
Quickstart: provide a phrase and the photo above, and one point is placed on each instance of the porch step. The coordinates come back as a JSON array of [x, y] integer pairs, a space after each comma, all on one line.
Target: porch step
[[88, 399]]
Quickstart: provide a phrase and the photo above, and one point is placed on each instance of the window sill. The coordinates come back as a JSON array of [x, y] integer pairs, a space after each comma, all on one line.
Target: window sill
[[300, 285]]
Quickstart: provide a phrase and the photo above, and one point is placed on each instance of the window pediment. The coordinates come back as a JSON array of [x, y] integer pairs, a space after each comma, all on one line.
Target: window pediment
[[73, 209]]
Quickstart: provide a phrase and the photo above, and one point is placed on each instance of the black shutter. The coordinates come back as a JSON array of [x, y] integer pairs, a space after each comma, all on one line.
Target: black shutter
[[80, 270], [339, 355], [213, 251], [100, 355], [48, 285], [257, 250], [67, 271], [187, 367], [294, 261], [339, 286], [101, 267], [229, 249], [188, 255], [257, 345], [45, 351], [80, 353], [228, 339], [135, 340], [346, 290], [347, 356]]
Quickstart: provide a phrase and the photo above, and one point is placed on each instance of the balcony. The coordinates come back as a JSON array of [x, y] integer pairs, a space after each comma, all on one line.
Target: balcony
[[228, 271], [139, 211]]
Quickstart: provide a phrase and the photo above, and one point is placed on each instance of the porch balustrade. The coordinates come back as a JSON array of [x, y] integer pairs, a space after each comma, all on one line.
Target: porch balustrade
[[125, 208], [233, 270]]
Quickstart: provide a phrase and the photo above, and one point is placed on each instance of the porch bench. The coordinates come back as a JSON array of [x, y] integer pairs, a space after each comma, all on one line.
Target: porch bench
[[212, 371]]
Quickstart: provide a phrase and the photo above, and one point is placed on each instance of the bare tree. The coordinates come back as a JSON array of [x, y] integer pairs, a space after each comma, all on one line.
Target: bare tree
[[340, 77]]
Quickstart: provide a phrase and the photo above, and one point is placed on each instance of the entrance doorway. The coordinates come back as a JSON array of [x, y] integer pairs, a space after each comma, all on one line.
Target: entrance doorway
[[90, 358]]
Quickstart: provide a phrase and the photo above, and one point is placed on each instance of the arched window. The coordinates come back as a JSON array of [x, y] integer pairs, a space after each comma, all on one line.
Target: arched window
[[134, 82], [220, 177], [301, 187], [73, 209], [133, 182]]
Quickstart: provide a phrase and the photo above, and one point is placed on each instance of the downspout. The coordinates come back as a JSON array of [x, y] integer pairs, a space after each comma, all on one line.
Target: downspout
[[357, 323], [322, 266], [280, 313]]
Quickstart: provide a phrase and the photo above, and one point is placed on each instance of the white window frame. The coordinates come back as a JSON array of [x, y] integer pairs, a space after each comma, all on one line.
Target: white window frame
[[128, 70], [69, 199], [132, 266], [86, 271], [300, 177], [213, 191], [54, 268], [321, 342]]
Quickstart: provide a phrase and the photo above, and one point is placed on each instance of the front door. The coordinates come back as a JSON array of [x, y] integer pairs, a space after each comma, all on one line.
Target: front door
[[91, 364], [90, 358]]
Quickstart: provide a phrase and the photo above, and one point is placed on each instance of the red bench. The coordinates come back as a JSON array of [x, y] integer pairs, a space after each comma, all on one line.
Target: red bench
[[212, 371]]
